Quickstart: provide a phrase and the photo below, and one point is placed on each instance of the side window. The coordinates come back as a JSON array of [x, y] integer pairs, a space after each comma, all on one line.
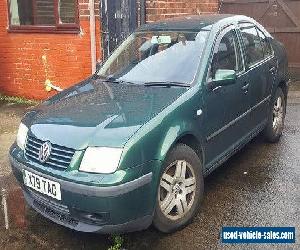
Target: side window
[[227, 54], [265, 44], [253, 47]]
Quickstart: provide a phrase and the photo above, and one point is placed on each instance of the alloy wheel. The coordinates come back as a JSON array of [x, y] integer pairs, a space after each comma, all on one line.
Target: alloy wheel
[[278, 114], [177, 190]]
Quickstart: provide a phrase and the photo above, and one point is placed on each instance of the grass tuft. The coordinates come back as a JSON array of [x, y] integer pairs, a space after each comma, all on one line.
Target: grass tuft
[[17, 100], [118, 242]]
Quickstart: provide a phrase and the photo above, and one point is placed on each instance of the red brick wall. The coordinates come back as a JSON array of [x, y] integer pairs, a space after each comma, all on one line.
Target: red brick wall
[[162, 9], [23, 71]]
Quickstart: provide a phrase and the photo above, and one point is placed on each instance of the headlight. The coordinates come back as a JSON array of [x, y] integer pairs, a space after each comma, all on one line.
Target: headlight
[[101, 160], [21, 137]]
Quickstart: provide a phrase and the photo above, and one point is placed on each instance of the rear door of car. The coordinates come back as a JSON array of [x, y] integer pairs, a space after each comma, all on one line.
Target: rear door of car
[[260, 67], [226, 106]]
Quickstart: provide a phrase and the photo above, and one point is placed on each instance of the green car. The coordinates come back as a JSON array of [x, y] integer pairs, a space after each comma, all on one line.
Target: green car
[[131, 145]]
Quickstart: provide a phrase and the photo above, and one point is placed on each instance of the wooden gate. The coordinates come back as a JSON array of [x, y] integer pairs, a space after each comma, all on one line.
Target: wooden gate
[[119, 19], [280, 17]]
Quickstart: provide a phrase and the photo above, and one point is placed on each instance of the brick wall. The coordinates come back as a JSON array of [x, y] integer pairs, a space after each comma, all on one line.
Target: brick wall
[[162, 9], [28, 59], [84, 12]]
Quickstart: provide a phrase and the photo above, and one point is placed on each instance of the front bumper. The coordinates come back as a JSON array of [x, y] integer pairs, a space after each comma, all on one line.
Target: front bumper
[[111, 209]]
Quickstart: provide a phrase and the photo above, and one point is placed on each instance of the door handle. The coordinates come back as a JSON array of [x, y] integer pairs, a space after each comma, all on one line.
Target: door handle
[[272, 70], [216, 88], [245, 88]]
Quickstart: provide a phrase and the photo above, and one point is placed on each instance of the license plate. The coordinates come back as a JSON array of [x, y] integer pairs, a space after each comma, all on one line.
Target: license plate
[[42, 185]]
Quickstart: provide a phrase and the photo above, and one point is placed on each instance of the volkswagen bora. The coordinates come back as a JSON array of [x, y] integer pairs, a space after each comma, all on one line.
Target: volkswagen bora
[[131, 145]]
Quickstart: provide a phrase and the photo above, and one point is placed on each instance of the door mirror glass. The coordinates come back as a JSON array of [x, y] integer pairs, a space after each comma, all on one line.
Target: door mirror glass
[[224, 75]]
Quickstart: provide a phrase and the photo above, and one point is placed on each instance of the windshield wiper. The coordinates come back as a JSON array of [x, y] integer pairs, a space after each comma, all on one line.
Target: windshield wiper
[[167, 84], [96, 76], [113, 80]]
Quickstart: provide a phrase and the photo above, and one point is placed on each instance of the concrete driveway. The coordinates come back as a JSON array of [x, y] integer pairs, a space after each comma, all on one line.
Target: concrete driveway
[[259, 186]]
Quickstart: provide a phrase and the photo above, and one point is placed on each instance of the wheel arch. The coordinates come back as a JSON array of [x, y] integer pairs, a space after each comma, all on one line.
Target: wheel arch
[[284, 86], [192, 141]]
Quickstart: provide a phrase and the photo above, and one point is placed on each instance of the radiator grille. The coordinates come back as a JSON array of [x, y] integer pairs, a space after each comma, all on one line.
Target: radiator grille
[[60, 156]]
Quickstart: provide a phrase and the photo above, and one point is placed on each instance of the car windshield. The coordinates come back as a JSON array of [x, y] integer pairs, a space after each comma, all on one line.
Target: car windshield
[[156, 57]]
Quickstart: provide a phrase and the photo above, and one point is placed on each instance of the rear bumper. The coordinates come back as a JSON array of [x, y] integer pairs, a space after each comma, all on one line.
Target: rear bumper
[[116, 209]]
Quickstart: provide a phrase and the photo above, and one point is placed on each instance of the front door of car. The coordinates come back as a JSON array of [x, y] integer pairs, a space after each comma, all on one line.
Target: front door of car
[[261, 67], [226, 97]]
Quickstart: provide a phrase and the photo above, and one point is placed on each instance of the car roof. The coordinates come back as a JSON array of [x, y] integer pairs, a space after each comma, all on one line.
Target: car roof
[[189, 23]]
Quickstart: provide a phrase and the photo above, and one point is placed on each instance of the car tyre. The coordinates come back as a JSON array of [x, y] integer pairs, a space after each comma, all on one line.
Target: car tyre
[[276, 116], [180, 189]]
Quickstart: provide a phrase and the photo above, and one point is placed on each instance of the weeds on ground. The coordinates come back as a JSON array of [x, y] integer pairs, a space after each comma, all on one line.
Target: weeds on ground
[[117, 242], [17, 100]]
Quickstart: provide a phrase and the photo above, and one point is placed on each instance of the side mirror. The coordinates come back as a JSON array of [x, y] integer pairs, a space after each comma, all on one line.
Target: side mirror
[[225, 76]]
